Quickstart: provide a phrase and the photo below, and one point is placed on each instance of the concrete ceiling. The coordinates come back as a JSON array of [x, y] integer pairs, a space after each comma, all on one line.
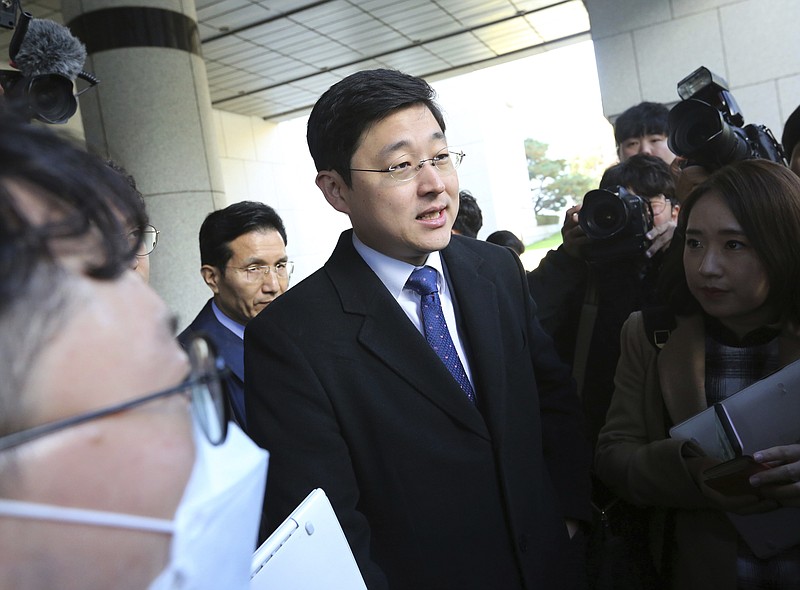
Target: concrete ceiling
[[274, 58]]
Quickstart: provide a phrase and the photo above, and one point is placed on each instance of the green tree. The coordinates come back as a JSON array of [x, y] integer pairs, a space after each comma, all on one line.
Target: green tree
[[553, 182]]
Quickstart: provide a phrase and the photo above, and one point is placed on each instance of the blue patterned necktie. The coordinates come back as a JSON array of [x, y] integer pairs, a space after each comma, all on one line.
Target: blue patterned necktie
[[423, 282]]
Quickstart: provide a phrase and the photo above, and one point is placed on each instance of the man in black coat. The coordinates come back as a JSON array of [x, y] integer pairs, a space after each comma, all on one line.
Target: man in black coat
[[436, 484]]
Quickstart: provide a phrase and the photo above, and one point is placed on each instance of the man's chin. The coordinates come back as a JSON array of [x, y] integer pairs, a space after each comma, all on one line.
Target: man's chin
[[440, 239]]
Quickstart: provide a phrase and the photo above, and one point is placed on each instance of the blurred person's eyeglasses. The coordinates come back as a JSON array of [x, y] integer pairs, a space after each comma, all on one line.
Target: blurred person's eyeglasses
[[203, 386], [408, 166], [658, 203], [148, 237], [257, 272]]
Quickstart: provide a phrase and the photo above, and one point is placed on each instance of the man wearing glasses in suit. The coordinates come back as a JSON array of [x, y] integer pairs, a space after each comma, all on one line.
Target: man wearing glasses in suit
[[244, 263], [409, 377]]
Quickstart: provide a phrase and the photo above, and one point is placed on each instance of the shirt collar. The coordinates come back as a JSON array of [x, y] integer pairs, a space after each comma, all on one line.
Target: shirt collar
[[392, 272], [233, 326]]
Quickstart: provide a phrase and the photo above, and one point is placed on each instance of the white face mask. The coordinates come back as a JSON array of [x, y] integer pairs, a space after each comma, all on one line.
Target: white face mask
[[215, 529]]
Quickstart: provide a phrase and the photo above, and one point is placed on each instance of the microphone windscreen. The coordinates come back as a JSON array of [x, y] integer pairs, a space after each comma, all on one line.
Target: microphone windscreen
[[50, 48]]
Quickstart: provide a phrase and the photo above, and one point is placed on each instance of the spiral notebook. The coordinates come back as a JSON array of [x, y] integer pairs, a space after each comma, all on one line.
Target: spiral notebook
[[307, 552]]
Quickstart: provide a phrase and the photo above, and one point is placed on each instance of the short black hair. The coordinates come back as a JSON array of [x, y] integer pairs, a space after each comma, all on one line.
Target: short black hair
[[503, 237], [223, 226], [645, 118], [469, 220], [350, 107], [646, 176]]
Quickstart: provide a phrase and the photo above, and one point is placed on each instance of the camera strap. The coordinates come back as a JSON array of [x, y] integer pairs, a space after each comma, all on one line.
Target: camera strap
[[583, 339], [659, 321]]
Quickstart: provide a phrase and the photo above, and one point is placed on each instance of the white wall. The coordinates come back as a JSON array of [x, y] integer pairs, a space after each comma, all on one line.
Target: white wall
[[489, 114], [644, 47], [494, 170], [270, 163]]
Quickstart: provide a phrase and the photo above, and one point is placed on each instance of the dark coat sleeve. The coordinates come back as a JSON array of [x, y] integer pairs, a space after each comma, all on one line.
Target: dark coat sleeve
[[306, 417], [557, 286], [567, 450]]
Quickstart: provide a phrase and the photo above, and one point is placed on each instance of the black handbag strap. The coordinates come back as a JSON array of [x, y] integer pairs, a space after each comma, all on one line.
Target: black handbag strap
[[659, 321]]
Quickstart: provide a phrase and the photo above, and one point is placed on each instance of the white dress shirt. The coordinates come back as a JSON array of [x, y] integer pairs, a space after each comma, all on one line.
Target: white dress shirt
[[395, 273]]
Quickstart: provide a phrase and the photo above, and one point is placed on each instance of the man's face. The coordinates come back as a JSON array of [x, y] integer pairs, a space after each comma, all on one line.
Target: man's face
[[117, 345], [238, 296], [653, 144], [403, 220]]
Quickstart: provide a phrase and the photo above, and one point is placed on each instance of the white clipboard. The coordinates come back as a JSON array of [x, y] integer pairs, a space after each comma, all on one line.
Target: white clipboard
[[308, 551]]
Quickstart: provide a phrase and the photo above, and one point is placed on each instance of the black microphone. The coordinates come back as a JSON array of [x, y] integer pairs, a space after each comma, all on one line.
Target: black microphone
[[47, 48]]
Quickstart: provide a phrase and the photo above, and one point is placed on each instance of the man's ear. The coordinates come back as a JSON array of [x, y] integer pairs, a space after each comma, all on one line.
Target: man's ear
[[211, 275], [335, 190]]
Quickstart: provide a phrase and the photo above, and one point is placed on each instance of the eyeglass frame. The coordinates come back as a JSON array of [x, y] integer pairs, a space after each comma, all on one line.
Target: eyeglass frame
[[266, 269], [391, 168], [148, 229], [667, 201], [27, 435]]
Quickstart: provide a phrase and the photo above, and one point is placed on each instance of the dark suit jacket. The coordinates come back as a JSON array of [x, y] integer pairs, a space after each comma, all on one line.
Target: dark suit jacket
[[231, 348], [347, 395]]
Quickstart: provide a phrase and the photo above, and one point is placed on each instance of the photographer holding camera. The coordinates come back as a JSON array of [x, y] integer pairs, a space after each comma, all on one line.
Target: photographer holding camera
[[610, 270], [607, 268]]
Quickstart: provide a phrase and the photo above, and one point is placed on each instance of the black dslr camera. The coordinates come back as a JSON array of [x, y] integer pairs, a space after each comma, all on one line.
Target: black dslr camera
[[617, 223], [707, 126]]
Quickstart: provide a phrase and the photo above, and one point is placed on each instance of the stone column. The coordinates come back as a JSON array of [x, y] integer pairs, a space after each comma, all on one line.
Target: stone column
[[152, 114]]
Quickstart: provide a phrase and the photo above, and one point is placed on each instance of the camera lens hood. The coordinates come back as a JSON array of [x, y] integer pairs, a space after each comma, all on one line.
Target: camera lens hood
[[50, 98], [699, 132]]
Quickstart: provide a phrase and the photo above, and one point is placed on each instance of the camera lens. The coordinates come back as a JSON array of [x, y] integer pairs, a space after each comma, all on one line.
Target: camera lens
[[50, 98], [605, 217], [603, 214], [698, 131]]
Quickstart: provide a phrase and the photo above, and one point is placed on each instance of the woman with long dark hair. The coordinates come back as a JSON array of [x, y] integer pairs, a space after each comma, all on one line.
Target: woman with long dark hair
[[732, 281]]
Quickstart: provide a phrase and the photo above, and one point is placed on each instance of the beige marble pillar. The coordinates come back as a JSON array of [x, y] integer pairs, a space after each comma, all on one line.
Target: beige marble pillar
[[152, 113]]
